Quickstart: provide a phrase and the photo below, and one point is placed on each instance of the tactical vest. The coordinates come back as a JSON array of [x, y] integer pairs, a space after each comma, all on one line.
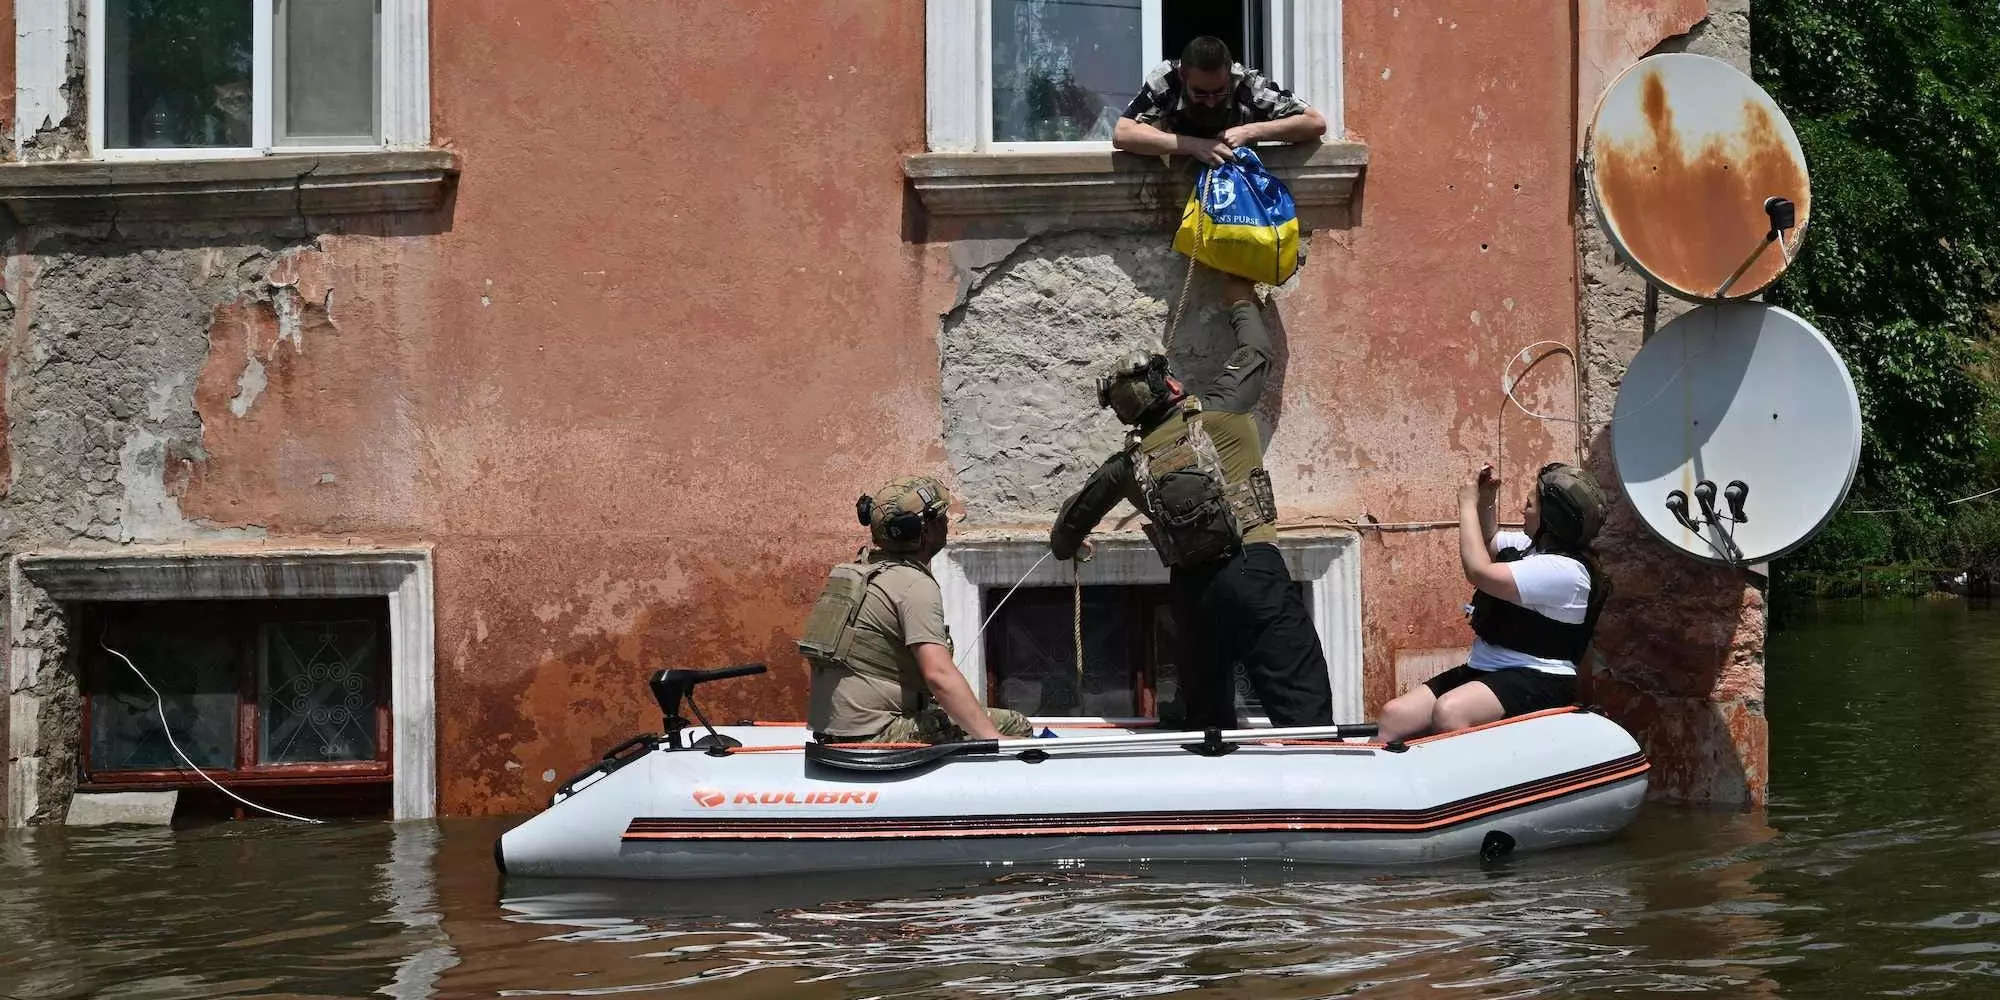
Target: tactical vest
[[1194, 514], [1504, 623], [832, 638]]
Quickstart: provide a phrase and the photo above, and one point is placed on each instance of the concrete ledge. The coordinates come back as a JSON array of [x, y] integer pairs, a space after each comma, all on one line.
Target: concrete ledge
[[1113, 186], [105, 808], [319, 184]]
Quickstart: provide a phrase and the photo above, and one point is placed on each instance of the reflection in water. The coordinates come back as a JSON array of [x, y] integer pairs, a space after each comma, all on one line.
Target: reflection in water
[[1875, 870]]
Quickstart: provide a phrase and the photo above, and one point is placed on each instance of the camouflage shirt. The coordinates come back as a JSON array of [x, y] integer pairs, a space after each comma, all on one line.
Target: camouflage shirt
[[1256, 98]]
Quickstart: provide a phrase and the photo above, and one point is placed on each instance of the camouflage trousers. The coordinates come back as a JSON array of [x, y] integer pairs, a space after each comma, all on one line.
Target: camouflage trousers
[[934, 725]]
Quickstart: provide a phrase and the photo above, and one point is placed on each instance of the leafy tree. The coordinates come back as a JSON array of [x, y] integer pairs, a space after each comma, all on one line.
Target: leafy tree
[[1897, 104]]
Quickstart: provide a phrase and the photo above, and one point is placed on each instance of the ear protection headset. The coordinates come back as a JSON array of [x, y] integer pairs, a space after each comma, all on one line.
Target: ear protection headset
[[1155, 370], [904, 526]]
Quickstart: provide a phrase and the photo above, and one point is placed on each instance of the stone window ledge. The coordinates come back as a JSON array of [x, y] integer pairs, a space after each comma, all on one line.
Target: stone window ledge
[[1112, 185], [313, 184]]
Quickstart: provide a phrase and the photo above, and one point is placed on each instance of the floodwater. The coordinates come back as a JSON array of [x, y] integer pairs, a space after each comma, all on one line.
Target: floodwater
[[1875, 871]]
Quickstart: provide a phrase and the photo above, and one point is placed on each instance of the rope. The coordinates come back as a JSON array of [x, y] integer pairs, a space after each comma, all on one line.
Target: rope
[[1187, 281], [1076, 621], [160, 704], [1947, 503], [1010, 592]]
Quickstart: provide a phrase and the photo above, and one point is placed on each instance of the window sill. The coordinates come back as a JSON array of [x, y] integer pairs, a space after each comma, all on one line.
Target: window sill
[[312, 184], [1103, 186]]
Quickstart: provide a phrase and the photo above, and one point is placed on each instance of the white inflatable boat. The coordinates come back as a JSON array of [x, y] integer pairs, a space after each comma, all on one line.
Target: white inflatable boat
[[761, 800]]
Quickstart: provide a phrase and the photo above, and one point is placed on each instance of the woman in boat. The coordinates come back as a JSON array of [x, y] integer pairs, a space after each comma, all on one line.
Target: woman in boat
[[1537, 594]]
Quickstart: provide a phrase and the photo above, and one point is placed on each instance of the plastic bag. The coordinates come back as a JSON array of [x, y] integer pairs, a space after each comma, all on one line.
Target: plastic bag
[[1240, 219]]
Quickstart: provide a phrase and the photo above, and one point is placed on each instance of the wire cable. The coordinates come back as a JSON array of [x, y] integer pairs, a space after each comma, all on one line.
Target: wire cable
[[160, 704]]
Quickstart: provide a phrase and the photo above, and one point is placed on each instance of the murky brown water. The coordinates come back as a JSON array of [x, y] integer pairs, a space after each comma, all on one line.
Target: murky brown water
[[1876, 871]]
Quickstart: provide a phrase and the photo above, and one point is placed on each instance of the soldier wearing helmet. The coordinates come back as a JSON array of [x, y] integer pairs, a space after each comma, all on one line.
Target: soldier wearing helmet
[[880, 653], [1194, 467], [1534, 608]]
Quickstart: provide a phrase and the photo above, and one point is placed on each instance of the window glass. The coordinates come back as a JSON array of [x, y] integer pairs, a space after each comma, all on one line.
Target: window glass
[[317, 693], [326, 70], [177, 73], [195, 672], [1063, 70]]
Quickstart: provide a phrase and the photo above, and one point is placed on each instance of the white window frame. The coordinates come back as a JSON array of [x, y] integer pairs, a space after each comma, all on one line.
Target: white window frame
[[1329, 566], [403, 91], [1305, 42]]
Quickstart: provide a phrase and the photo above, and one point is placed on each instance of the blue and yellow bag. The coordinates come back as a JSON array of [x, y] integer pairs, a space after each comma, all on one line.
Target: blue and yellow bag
[[1240, 219]]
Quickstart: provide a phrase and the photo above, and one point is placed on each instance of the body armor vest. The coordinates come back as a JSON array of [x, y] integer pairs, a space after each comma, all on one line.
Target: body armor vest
[[833, 638], [1194, 514], [1504, 623]]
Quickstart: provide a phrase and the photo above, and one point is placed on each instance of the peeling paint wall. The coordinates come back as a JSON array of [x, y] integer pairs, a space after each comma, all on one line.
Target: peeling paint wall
[[1023, 349], [629, 382], [1680, 655]]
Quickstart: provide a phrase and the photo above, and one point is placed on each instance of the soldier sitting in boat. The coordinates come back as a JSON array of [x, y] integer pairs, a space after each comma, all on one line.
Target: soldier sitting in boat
[[1537, 597], [1195, 468], [882, 670]]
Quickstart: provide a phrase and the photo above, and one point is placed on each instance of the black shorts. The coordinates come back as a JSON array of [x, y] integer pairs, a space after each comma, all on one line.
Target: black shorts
[[1520, 689]]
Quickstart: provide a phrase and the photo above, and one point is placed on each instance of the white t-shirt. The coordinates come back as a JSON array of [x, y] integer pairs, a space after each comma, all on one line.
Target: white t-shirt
[[1551, 585]]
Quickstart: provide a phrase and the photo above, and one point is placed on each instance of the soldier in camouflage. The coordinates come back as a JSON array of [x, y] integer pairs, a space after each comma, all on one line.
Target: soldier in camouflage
[[881, 655], [1194, 468]]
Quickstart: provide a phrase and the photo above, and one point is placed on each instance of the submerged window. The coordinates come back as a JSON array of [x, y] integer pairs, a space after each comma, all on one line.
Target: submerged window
[[1131, 653], [272, 690]]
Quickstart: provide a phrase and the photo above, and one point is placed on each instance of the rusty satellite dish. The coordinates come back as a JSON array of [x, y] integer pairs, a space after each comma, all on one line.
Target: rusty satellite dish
[[1697, 177], [1736, 432]]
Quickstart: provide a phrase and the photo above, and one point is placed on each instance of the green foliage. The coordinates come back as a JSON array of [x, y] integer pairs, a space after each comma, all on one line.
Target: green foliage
[[1897, 103]]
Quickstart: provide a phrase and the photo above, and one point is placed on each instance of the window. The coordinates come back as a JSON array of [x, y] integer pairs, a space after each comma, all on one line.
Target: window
[[279, 691], [1030, 74], [1131, 647], [203, 78], [1026, 657]]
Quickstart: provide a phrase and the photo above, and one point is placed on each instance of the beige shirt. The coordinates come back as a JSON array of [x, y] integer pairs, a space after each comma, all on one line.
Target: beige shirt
[[904, 605]]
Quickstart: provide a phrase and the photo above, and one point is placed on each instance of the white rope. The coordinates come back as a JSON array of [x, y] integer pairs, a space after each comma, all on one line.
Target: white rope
[[1947, 503], [1010, 592], [160, 704], [1508, 382]]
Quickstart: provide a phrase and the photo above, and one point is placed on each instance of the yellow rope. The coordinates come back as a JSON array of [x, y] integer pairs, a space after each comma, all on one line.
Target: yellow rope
[[1187, 281], [1076, 622]]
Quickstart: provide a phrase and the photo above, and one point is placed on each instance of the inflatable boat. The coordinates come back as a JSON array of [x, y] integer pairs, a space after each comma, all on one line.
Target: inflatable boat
[[732, 801]]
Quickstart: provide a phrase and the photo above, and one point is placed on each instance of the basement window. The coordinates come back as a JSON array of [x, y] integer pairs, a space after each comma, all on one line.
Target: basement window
[[1026, 657], [255, 691], [1131, 653]]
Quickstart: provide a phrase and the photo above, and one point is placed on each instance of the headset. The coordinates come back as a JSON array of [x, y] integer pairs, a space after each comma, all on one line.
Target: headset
[[1155, 370], [904, 526]]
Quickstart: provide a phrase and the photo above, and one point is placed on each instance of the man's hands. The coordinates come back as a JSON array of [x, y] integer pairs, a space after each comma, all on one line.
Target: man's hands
[[1244, 135], [1235, 289], [1210, 151]]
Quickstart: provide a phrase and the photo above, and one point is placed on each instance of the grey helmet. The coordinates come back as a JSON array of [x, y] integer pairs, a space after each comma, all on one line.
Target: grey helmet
[[1136, 388]]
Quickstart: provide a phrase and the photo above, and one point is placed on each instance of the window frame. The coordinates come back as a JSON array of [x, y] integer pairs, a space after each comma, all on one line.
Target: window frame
[[1304, 37], [249, 768], [402, 60], [1329, 565]]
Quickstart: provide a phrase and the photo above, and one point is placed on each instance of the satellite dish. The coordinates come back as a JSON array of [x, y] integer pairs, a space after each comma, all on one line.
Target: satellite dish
[[1736, 397], [1697, 177]]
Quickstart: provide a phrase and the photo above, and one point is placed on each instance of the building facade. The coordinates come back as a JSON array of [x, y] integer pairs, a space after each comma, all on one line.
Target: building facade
[[399, 382]]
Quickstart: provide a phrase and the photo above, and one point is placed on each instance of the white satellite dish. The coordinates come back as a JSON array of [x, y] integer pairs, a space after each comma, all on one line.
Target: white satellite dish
[[1736, 395], [1696, 176]]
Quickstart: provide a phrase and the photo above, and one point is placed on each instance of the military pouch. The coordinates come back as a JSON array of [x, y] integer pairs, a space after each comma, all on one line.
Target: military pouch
[[1191, 522], [1262, 496], [828, 633]]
